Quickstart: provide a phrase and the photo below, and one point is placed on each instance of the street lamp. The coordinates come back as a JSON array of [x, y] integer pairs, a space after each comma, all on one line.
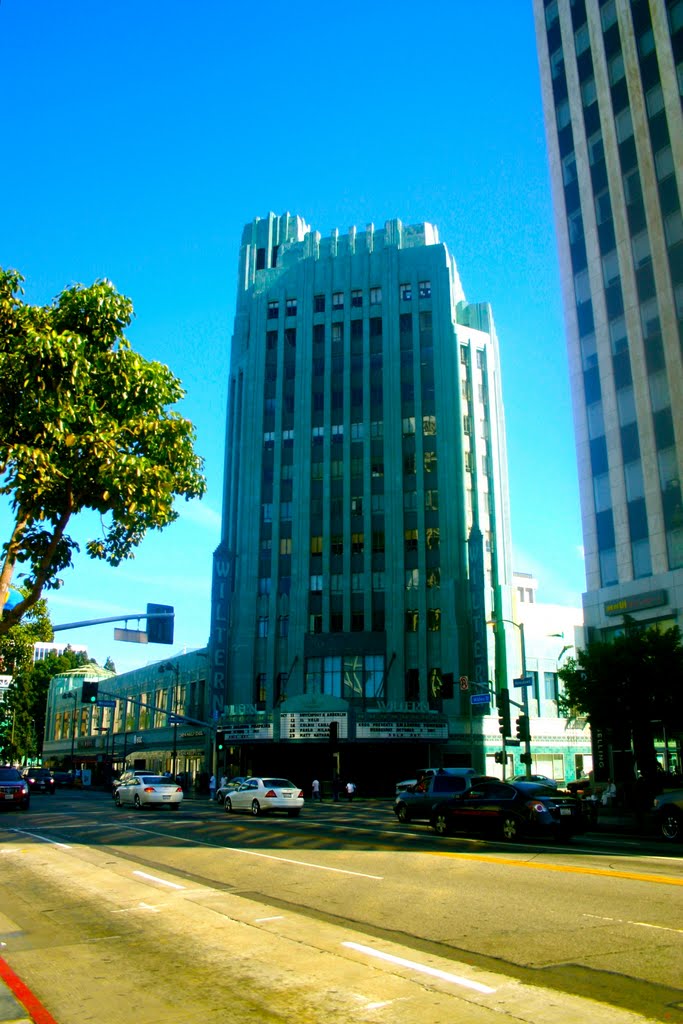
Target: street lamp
[[168, 666], [525, 694], [69, 696]]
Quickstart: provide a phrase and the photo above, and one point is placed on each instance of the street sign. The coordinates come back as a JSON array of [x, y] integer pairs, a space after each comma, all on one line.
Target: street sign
[[106, 704], [480, 698], [464, 683], [524, 681], [175, 720]]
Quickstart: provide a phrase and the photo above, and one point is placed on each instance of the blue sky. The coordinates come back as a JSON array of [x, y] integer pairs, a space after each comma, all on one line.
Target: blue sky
[[141, 137]]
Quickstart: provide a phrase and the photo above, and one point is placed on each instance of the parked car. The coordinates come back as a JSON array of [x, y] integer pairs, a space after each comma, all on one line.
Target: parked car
[[417, 802], [262, 795], [669, 814], [40, 780], [14, 791], [509, 811], [421, 773], [149, 790], [544, 780], [228, 787]]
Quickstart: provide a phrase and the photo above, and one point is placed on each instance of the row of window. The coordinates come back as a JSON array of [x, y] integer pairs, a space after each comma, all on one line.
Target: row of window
[[424, 291]]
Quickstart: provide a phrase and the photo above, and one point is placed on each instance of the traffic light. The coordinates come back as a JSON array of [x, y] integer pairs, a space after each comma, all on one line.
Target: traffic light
[[503, 703], [523, 734], [89, 693], [499, 757], [160, 630], [220, 740]]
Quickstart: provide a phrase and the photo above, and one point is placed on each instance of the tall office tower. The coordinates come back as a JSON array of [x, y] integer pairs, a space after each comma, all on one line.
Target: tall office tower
[[366, 539], [612, 75]]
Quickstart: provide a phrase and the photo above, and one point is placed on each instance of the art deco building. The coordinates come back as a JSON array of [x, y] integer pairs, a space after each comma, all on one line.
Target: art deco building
[[612, 75], [366, 537]]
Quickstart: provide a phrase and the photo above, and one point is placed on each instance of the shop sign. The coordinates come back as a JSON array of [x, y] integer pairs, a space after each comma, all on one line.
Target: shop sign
[[401, 729], [636, 603], [312, 725]]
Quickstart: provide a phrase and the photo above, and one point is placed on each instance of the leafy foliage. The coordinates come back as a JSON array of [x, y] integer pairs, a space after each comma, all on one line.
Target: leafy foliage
[[632, 685], [84, 424], [22, 718]]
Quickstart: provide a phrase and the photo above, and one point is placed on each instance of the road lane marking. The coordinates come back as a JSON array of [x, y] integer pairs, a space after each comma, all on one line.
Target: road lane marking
[[140, 906], [635, 924], [161, 881], [569, 869], [413, 965], [275, 917], [43, 839]]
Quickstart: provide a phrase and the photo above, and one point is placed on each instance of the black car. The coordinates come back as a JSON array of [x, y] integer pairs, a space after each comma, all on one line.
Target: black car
[[14, 791], [63, 779], [510, 811], [40, 780]]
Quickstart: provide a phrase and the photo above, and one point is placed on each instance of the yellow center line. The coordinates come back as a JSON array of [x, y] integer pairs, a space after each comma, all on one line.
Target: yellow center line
[[569, 869]]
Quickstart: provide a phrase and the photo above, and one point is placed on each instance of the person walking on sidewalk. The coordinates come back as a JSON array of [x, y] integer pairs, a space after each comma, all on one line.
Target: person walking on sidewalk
[[350, 790], [315, 790], [212, 788]]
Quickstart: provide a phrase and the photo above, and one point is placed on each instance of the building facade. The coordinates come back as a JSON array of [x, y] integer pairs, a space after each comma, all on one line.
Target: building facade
[[366, 535], [612, 76]]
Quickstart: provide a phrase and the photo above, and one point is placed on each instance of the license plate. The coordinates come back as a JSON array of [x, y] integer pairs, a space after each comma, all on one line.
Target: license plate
[[287, 796], [9, 795], [167, 797], [565, 810]]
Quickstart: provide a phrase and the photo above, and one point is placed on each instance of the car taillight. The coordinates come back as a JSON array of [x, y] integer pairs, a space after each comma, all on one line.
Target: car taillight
[[300, 794], [534, 805], [179, 789], [271, 793], [149, 789]]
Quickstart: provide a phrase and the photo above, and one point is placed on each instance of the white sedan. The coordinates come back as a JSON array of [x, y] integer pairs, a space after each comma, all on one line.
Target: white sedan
[[149, 790], [261, 795]]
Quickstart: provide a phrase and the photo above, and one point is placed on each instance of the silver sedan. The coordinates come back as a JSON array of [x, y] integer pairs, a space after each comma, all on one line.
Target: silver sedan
[[259, 796], [148, 791]]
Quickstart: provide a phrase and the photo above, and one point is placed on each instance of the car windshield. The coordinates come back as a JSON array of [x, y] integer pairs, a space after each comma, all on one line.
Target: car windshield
[[157, 780], [9, 775], [278, 784]]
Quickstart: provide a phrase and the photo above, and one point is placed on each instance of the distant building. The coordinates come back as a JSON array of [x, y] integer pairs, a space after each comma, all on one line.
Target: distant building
[[43, 648], [366, 535], [612, 74]]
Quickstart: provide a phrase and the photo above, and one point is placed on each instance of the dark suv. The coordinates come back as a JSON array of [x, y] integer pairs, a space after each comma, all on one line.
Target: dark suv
[[417, 802], [40, 780]]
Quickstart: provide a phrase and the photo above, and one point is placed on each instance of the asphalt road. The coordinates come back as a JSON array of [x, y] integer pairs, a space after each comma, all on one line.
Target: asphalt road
[[340, 915]]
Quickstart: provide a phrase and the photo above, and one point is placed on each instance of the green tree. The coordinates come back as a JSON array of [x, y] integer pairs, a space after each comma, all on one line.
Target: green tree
[[84, 424], [21, 719], [631, 685]]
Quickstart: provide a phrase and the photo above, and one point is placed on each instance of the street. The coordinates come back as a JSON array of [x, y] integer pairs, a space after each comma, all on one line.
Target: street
[[114, 915]]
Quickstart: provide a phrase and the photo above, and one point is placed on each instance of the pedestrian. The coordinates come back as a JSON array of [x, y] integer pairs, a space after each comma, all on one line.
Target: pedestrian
[[224, 780], [350, 790], [609, 794], [212, 788], [315, 790]]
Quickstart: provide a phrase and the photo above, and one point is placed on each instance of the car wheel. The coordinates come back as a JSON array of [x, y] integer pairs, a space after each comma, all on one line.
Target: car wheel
[[117, 799], [220, 799], [509, 827], [255, 808], [440, 824], [227, 805], [402, 814], [136, 802], [293, 814], [671, 825]]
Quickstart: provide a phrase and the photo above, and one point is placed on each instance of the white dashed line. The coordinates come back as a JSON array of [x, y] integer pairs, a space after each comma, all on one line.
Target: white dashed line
[[433, 972]]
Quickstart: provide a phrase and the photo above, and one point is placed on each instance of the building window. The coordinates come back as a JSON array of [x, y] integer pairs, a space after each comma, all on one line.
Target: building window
[[273, 310], [411, 538], [318, 303], [287, 438], [356, 299], [408, 425], [357, 505], [432, 500], [357, 543], [285, 545], [267, 511], [264, 585], [377, 467], [550, 685], [317, 435], [315, 623], [357, 582], [430, 462], [434, 619], [375, 296], [337, 469], [283, 626], [337, 433], [316, 545], [260, 688], [269, 439], [429, 425], [406, 292], [316, 585], [378, 541], [412, 620], [291, 307], [377, 502], [337, 583], [378, 581], [412, 579], [377, 428], [409, 464], [357, 431], [425, 289], [285, 510], [262, 626], [271, 341]]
